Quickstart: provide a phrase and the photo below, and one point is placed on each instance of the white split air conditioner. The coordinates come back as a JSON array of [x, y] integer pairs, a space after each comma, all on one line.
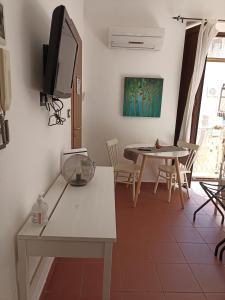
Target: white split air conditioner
[[136, 38]]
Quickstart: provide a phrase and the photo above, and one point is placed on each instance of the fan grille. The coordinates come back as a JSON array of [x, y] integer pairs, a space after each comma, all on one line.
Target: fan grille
[[78, 169]]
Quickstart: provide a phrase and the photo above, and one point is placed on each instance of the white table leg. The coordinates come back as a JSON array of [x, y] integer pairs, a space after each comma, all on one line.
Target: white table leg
[[22, 270], [107, 271], [139, 180]]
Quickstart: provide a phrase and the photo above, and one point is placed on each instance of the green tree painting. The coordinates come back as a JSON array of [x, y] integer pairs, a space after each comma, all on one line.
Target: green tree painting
[[142, 97]]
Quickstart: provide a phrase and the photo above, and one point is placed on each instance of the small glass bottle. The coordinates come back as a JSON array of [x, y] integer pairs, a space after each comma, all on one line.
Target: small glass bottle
[[157, 145], [39, 212]]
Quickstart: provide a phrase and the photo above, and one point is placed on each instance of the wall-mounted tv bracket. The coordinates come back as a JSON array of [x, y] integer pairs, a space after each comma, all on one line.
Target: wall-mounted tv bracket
[[43, 99], [4, 131]]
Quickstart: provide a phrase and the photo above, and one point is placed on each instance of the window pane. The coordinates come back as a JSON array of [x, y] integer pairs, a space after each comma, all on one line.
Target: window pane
[[217, 48]]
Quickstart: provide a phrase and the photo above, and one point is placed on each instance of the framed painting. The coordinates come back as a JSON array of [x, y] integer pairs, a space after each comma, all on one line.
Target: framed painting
[[142, 97]]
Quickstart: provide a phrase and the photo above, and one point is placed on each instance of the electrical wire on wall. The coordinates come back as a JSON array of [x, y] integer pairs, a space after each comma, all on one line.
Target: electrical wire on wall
[[55, 106]]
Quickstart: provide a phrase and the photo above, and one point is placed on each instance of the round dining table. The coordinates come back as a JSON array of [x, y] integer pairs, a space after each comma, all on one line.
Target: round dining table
[[147, 152]]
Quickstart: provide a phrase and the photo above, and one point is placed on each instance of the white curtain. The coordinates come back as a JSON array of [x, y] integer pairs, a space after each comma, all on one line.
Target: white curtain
[[206, 34]]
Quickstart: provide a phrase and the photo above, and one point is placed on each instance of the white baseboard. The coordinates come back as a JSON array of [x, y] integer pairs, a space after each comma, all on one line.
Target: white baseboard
[[39, 277]]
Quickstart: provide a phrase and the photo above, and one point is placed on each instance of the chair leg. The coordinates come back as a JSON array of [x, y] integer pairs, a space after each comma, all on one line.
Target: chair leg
[[174, 184], [156, 184], [136, 180], [218, 246], [129, 178], [215, 211], [188, 194], [170, 187], [133, 186], [115, 177], [199, 208], [168, 184], [221, 253], [186, 184]]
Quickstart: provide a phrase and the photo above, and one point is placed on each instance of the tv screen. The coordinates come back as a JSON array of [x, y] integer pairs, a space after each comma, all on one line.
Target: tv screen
[[60, 59]]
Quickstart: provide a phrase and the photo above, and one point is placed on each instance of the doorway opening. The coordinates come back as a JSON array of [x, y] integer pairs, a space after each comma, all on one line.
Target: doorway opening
[[211, 123]]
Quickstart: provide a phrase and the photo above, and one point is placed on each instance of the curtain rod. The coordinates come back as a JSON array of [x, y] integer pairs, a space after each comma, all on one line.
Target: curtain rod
[[180, 18]]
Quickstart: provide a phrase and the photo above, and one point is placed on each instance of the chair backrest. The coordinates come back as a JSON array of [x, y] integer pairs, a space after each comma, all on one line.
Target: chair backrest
[[112, 148], [193, 149]]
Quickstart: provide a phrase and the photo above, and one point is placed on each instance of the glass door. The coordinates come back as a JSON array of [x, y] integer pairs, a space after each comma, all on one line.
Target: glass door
[[211, 134]]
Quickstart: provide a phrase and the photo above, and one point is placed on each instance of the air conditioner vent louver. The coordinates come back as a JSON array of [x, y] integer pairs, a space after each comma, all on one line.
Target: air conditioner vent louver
[[136, 43], [136, 38]]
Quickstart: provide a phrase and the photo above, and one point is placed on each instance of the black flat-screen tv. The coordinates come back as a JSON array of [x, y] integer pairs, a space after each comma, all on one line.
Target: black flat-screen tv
[[60, 55]]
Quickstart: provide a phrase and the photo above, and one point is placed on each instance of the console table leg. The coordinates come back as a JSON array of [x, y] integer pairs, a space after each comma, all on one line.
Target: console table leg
[[107, 271], [22, 270]]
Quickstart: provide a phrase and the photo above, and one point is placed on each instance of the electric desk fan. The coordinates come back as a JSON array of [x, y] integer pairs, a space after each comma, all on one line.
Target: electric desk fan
[[78, 169]]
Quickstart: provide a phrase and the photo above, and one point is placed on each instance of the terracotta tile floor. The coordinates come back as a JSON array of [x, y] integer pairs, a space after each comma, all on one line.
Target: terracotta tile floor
[[159, 254]]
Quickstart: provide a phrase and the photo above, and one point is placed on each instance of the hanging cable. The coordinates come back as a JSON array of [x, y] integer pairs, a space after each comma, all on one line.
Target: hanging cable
[[55, 105]]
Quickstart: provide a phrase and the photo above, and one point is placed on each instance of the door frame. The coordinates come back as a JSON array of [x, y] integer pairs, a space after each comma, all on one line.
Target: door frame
[[76, 98]]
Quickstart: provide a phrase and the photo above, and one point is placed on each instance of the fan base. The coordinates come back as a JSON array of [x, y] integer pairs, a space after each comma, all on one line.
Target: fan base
[[79, 182]]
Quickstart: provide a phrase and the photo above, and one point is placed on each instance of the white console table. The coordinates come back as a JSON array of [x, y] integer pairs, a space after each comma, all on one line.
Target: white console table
[[82, 224]]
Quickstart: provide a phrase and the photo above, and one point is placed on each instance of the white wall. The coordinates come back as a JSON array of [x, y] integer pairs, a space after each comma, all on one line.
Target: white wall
[[31, 160], [105, 69]]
